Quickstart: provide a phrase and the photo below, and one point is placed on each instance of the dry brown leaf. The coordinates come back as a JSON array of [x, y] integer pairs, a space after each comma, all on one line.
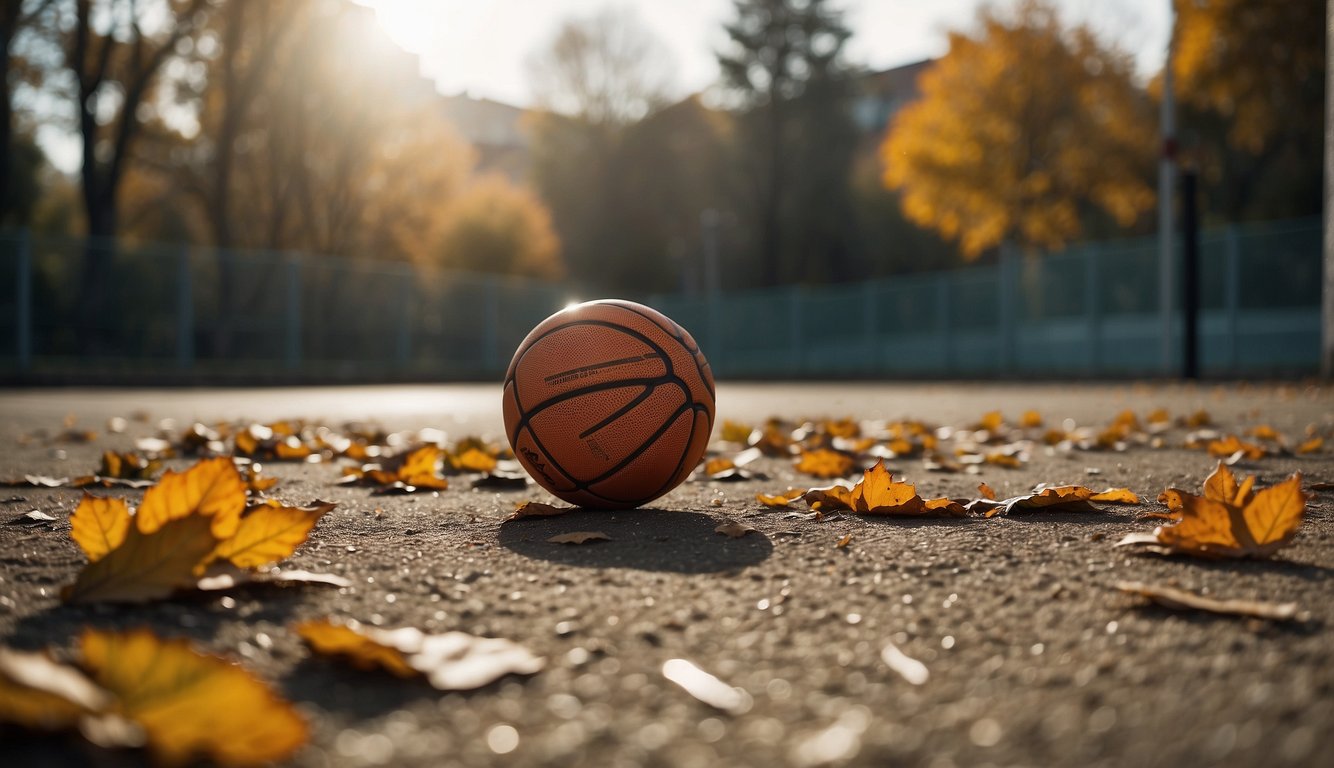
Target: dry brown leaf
[[269, 532], [987, 491], [877, 494], [1231, 445], [1265, 432], [1180, 599], [473, 460], [536, 509], [453, 661], [191, 705], [717, 465], [781, 499], [578, 537], [733, 529], [949, 507], [146, 566], [1064, 498], [844, 542], [416, 470], [255, 480], [1250, 525], [99, 525], [824, 462]]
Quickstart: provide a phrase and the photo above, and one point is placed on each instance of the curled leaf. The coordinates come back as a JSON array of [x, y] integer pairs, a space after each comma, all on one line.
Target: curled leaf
[[536, 509]]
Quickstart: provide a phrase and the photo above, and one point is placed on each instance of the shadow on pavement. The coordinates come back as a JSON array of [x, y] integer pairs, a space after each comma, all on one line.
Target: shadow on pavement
[[645, 539]]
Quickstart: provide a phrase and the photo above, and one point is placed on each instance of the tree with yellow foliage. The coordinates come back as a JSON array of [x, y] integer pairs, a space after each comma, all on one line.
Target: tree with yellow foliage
[[495, 226], [1023, 132]]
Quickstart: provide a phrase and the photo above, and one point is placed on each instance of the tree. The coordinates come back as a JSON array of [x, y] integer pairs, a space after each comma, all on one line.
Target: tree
[[17, 166], [1250, 75], [595, 79], [1023, 132], [784, 67], [497, 227]]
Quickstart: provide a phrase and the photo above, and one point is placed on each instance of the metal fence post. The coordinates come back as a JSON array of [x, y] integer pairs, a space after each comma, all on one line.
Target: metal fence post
[[185, 310], [292, 330], [1093, 307], [1232, 294], [23, 305]]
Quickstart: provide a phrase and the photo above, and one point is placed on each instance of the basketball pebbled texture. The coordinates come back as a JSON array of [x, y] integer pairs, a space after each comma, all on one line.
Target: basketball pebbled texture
[[608, 404]]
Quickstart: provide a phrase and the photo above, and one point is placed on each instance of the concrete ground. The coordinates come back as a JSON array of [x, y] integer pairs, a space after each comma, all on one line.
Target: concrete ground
[[1033, 658]]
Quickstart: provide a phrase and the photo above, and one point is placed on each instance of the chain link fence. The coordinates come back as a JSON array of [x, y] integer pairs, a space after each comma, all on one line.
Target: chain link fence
[[1090, 310]]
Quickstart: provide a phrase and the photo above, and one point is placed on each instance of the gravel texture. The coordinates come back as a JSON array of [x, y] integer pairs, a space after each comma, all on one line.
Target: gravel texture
[[1033, 658]]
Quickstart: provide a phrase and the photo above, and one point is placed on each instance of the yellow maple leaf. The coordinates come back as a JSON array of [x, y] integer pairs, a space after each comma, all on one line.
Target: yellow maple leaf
[[879, 494], [146, 566], [364, 653], [99, 525], [191, 705], [269, 532], [824, 462], [473, 460], [211, 488]]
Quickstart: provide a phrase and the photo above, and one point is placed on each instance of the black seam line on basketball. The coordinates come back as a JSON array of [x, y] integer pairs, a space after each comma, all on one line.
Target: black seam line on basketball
[[666, 361], [696, 409], [600, 366], [644, 447], [641, 397], [523, 412], [679, 340], [667, 486], [652, 383]]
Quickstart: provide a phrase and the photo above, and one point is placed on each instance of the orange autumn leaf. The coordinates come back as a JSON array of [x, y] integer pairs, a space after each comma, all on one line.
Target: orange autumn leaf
[[416, 470], [146, 566], [473, 460], [877, 493], [127, 466], [718, 464], [735, 432], [1116, 496], [823, 462], [1030, 420], [1063, 498], [1254, 524], [1231, 444], [453, 661], [256, 481], [1265, 432], [781, 499], [212, 488], [99, 525], [991, 421], [1311, 446], [987, 491], [945, 507], [269, 532], [190, 705]]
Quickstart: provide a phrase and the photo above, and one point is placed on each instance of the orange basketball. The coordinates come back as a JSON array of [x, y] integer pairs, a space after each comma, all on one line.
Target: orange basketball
[[608, 404]]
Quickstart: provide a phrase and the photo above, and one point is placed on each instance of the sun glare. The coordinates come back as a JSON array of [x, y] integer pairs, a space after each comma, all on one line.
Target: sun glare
[[411, 24]]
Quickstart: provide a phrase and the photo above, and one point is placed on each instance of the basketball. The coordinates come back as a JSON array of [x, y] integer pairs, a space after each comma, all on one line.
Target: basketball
[[608, 404]]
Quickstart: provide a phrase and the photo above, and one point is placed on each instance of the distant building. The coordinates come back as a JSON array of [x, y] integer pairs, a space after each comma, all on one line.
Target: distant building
[[494, 129], [878, 96]]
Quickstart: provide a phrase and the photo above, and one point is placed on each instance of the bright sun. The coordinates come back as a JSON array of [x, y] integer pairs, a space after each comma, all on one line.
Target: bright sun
[[412, 24]]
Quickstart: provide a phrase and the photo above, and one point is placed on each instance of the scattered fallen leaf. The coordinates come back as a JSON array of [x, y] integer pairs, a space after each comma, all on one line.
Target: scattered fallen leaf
[[987, 491], [579, 537], [1231, 445], [878, 494], [1063, 498], [176, 534], [127, 466], [453, 661], [141, 690], [536, 509], [191, 705], [1116, 496], [473, 460], [1030, 420], [1312, 445], [733, 528], [35, 517], [1180, 599], [1230, 520], [255, 480], [735, 432], [824, 462], [706, 687], [781, 499], [416, 470], [844, 542]]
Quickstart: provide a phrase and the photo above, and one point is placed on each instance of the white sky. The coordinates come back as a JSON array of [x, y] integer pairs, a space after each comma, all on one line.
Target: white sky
[[479, 46]]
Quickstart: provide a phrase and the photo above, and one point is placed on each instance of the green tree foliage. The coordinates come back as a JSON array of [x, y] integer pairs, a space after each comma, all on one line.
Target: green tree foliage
[[1024, 132], [795, 138]]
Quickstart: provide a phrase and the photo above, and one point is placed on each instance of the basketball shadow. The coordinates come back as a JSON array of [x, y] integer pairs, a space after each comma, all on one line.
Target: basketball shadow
[[645, 539]]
